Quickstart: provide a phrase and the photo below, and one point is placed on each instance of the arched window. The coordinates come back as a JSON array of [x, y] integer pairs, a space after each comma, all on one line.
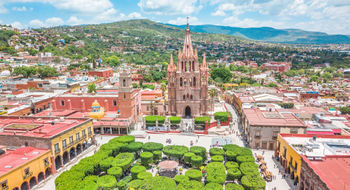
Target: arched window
[[192, 65], [188, 96], [194, 81], [191, 97], [62, 102], [182, 66], [180, 81], [185, 82], [184, 97], [115, 102], [124, 82]]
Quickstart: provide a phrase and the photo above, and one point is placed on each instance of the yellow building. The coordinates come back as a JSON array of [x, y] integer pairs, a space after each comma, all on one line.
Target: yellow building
[[288, 157], [24, 168]]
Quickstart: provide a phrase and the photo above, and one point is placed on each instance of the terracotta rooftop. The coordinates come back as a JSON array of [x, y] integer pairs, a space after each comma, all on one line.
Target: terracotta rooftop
[[13, 159]]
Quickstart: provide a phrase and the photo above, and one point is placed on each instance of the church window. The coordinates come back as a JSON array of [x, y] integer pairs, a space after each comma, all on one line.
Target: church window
[[188, 96], [184, 97], [192, 65], [190, 82], [115, 102], [62, 102], [180, 81], [124, 96], [191, 97], [124, 83], [186, 67], [194, 81], [185, 82], [182, 67]]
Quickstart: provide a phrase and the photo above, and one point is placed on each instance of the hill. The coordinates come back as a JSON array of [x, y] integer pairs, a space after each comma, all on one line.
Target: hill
[[269, 34]]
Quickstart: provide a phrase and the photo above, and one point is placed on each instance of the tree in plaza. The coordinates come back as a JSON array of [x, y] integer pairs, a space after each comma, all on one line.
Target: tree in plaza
[[163, 87], [213, 93], [92, 88], [113, 61], [47, 71]]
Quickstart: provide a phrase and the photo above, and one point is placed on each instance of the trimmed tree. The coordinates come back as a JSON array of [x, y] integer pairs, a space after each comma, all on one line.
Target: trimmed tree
[[136, 170], [146, 158], [117, 172], [194, 174], [107, 182], [196, 161]]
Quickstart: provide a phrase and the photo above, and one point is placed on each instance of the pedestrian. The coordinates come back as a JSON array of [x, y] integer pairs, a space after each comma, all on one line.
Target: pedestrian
[[149, 137]]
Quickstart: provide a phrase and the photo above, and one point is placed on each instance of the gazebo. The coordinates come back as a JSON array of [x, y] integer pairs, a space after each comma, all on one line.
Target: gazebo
[[168, 168]]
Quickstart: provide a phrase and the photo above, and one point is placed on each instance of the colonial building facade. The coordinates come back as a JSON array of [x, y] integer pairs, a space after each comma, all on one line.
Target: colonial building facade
[[188, 82]]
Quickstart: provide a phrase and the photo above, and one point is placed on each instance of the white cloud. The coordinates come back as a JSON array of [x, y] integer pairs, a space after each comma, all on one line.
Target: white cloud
[[183, 20], [17, 25], [134, 15], [36, 23], [20, 9], [106, 16], [169, 7], [53, 21], [73, 20]]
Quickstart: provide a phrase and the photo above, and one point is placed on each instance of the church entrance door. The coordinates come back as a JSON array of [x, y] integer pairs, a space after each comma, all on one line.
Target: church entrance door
[[188, 112]]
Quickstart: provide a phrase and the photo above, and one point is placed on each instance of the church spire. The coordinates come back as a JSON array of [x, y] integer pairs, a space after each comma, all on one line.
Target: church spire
[[171, 66], [187, 49], [204, 64]]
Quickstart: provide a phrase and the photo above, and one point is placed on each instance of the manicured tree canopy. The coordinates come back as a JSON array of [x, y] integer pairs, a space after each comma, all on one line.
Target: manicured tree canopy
[[241, 159], [152, 146], [201, 120], [231, 164], [217, 158], [136, 184], [114, 147], [231, 147], [187, 157], [136, 170], [134, 147], [249, 168], [117, 172], [122, 184], [193, 185], [87, 185], [213, 186], [106, 163], [253, 182], [181, 178], [123, 160], [196, 161], [231, 155], [216, 172], [84, 168], [151, 119], [174, 120], [146, 158], [107, 182], [234, 173], [222, 116], [91, 178], [143, 175], [68, 179], [216, 151], [160, 183], [194, 174], [125, 139], [176, 151], [233, 186], [199, 151], [157, 155]]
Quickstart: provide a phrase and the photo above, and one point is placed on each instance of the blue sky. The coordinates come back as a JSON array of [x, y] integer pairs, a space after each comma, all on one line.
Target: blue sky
[[330, 16]]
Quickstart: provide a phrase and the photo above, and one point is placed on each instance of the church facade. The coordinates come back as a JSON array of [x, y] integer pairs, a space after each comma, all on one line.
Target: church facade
[[188, 82]]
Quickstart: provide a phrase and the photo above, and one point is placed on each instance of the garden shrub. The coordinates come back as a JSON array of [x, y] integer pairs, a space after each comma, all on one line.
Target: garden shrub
[[194, 174], [216, 172], [123, 160], [216, 151], [196, 161], [135, 170], [157, 155], [152, 146], [241, 159], [176, 151], [253, 182], [91, 178], [151, 119], [190, 185], [231, 164], [181, 178], [221, 116], [175, 120], [143, 175], [231, 155], [146, 158], [234, 173], [213, 186], [233, 186], [217, 158], [201, 120], [249, 168], [117, 172], [187, 157], [135, 147], [106, 163], [199, 151], [107, 182]]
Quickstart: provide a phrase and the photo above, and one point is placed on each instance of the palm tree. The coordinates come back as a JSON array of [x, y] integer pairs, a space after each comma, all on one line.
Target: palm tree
[[163, 87], [213, 93]]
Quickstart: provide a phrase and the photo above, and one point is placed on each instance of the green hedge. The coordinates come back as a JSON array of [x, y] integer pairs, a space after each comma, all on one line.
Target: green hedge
[[194, 174], [175, 120], [157, 155], [231, 164], [135, 147], [201, 120], [216, 151], [199, 151], [135, 170], [146, 158], [176, 151], [151, 119], [117, 172], [249, 168], [190, 185], [196, 161], [187, 157], [233, 186], [152, 146], [107, 182], [106, 163], [241, 159], [213, 186], [234, 173], [222, 116], [123, 160], [144, 175], [181, 178], [253, 182], [217, 158], [216, 172]]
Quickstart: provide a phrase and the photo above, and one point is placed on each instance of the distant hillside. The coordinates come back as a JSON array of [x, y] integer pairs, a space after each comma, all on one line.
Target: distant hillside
[[269, 34]]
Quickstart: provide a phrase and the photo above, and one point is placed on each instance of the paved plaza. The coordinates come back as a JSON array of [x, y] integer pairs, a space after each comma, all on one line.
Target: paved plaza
[[182, 139]]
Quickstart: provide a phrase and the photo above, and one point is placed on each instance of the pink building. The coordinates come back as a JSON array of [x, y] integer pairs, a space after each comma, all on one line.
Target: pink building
[[277, 66]]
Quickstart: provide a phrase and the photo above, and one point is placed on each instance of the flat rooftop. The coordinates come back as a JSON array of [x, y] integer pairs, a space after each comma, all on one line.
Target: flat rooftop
[[257, 117], [42, 127], [16, 158]]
